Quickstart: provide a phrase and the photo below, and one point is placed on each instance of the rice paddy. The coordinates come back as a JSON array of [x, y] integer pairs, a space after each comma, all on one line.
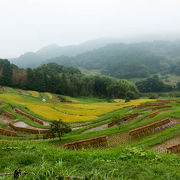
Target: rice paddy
[[68, 112]]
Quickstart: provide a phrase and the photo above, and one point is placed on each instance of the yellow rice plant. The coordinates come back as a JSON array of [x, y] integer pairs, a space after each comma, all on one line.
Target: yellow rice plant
[[50, 113], [68, 112]]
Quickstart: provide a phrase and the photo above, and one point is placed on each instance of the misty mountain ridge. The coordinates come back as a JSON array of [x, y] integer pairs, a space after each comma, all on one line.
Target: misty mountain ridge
[[34, 59], [136, 60]]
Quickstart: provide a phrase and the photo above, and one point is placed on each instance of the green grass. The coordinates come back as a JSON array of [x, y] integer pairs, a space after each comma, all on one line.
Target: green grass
[[44, 161]]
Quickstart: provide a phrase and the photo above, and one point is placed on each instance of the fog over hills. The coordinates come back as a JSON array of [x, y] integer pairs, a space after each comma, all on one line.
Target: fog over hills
[[135, 60], [34, 59]]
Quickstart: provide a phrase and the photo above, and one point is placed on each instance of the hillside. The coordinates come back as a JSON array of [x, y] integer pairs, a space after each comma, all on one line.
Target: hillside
[[34, 59], [135, 132], [138, 60]]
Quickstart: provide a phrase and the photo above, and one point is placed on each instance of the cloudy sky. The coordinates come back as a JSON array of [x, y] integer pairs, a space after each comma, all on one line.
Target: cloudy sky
[[27, 25]]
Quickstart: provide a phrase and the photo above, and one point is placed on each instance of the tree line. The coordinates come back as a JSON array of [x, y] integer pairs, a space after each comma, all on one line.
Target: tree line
[[70, 81]]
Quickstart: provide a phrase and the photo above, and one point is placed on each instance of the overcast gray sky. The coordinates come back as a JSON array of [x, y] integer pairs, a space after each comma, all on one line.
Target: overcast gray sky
[[27, 25]]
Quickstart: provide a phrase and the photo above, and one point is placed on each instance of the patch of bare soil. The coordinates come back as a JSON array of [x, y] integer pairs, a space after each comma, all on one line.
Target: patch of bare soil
[[98, 128], [24, 125]]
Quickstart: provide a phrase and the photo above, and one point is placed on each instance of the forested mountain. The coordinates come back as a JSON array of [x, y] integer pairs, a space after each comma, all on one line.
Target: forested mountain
[[138, 60], [64, 80], [34, 59]]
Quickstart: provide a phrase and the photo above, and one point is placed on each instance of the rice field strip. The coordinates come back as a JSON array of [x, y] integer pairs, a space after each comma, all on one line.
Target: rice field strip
[[157, 103], [8, 114], [6, 132], [125, 118], [98, 128], [148, 104], [161, 107], [153, 127], [18, 110], [152, 115]]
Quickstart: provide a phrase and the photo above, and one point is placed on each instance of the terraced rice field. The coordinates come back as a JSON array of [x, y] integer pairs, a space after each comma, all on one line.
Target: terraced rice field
[[90, 117], [68, 112]]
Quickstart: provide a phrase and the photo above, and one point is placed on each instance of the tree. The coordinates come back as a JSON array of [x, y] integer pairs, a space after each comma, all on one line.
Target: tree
[[152, 84], [58, 129], [6, 77]]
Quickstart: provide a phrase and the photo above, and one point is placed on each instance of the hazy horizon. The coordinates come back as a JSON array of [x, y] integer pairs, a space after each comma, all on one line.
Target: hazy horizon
[[32, 24]]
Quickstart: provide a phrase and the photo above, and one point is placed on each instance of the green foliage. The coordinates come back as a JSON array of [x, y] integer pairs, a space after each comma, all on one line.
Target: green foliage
[[66, 81], [6, 76], [57, 129], [152, 84], [152, 95]]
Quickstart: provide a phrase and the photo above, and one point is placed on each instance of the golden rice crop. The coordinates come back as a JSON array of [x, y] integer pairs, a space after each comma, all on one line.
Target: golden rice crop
[[53, 114], [69, 112]]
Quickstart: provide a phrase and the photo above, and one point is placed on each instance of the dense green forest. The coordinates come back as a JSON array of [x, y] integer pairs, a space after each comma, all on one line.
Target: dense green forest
[[64, 80], [138, 60]]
